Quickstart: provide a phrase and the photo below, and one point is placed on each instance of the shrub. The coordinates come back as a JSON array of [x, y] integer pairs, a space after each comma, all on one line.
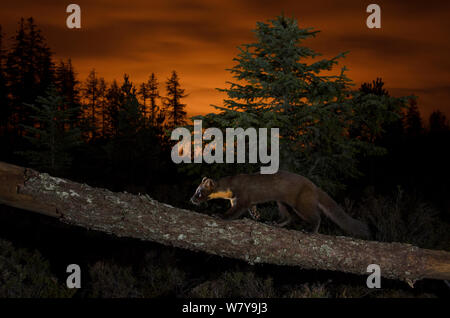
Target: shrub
[[236, 284], [405, 218], [316, 290], [160, 279], [110, 280], [26, 274]]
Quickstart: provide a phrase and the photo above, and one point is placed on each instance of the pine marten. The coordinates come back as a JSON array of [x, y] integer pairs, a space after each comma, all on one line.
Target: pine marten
[[289, 190]]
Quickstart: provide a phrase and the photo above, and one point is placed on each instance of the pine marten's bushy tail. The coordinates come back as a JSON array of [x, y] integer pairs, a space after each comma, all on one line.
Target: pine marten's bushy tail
[[332, 210]]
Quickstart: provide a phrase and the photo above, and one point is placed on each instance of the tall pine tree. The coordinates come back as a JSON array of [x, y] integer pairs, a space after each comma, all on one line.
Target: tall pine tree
[[111, 110], [150, 91], [29, 71], [376, 88], [92, 96], [51, 136], [378, 118], [4, 102], [102, 103], [413, 120], [280, 83], [173, 106], [438, 123], [131, 115], [144, 94], [68, 87]]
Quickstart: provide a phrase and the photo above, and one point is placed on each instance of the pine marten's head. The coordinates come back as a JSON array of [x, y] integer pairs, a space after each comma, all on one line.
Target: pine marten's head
[[206, 187]]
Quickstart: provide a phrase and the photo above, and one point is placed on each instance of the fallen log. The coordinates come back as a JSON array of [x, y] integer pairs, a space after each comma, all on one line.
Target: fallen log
[[139, 216]]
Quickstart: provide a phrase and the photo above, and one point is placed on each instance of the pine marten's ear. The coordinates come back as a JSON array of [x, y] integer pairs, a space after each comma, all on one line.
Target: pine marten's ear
[[204, 178], [209, 184]]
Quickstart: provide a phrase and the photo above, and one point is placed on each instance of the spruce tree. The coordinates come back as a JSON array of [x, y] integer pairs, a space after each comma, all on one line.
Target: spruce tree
[[131, 118], [144, 94], [153, 94], [438, 123], [131, 115], [29, 70], [4, 101], [52, 137], [149, 91], [113, 101], [127, 89], [376, 88], [68, 87], [281, 83], [174, 108], [378, 118], [92, 94], [413, 120], [102, 104]]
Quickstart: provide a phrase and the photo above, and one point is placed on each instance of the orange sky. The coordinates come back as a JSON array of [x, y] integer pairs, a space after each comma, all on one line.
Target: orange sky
[[198, 39]]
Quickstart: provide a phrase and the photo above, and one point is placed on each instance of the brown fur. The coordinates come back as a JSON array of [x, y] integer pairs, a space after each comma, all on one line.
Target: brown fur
[[287, 189]]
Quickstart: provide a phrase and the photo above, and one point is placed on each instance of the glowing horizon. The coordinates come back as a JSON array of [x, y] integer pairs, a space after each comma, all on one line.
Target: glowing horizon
[[199, 40]]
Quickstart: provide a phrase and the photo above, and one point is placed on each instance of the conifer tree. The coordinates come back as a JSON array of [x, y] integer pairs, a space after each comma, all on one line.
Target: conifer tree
[[51, 138], [280, 83], [376, 88], [173, 106], [102, 102], [413, 120], [68, 87], [144, 94], [149, 90], [378, 118], [29, 70], [131, 118], [438, 122], [154, 94], [4, 102], [113, 101], [92, 96]]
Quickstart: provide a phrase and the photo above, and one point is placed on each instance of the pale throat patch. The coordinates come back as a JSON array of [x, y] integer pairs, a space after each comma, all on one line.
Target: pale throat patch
[[227, 194]]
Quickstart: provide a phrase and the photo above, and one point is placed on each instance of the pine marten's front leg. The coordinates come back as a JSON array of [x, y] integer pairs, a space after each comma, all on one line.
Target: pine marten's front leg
[[237, 209]]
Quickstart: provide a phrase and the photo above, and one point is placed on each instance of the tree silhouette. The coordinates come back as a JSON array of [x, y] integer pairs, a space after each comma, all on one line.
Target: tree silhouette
[[29, 70], [92, 93], [277, 86], [438, 122], [102, 102], [172, 104], [376, 88], [144, 94], [153, 94], [379, 120], [413, 121], [131, 114], [51, 138], [131, 118], [4, 102], [113, 101], [68, 87], [127, 87]]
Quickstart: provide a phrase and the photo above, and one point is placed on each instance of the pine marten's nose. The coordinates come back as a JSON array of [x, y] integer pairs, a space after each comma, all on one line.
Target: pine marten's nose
[[194, 201]]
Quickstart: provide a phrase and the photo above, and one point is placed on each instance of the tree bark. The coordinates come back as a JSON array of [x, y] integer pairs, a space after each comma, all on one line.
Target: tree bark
[[141, 217]]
